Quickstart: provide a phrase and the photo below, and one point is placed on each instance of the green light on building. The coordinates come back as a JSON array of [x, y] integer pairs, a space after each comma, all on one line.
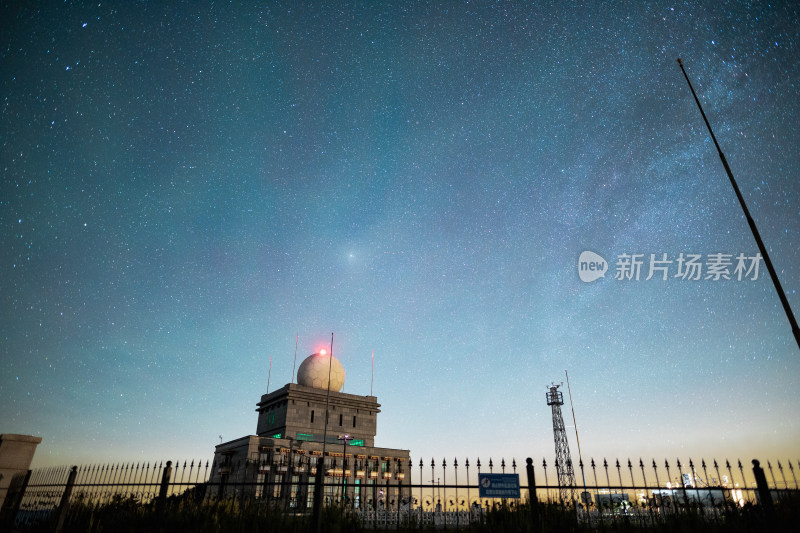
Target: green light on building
[[305, 436], [276, 436], [357, 442]]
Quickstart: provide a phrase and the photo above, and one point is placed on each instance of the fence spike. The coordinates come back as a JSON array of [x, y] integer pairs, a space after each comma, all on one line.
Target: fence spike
[[655, 472], [719, 476], [791, 468]]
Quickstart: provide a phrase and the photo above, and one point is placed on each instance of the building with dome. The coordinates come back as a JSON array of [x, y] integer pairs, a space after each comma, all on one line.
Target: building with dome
[[279, 461]]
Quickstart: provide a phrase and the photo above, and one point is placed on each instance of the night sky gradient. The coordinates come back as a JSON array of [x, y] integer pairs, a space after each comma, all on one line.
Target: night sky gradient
[[188, 186]]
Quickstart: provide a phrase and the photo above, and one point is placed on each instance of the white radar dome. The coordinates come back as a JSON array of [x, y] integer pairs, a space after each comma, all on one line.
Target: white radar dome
[[313, 372]]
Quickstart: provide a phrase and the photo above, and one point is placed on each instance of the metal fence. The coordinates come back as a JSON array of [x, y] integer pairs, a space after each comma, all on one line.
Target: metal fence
[[431, 493]]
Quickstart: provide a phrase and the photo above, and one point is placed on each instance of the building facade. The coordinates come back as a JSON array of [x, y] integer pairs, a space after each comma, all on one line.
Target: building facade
[[280, 462]]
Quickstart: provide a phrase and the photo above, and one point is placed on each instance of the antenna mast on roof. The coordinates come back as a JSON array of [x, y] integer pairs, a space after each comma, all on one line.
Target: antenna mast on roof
[[316, 518], [297, 340], [269, 375]]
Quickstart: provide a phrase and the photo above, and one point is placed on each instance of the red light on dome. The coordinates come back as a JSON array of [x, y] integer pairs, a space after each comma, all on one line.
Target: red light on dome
[[323, 352]]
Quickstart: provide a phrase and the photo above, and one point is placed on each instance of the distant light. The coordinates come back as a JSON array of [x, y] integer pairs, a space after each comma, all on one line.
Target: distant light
[[323, 352]]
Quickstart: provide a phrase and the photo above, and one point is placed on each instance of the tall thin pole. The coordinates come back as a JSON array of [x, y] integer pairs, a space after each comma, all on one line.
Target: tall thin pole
[[372, 370], [574, 421], [269, 374], [296, 341], [327, 398], [319, 479], [750, 222]]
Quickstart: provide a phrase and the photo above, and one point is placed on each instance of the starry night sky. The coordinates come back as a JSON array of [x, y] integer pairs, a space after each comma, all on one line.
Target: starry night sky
[[186, 187]]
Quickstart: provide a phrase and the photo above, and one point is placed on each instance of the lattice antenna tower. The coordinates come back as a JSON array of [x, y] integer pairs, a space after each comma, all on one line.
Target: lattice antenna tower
[[566, 474]]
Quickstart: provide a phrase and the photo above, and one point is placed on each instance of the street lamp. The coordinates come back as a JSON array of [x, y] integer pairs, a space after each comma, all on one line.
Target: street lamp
[[345, 439]]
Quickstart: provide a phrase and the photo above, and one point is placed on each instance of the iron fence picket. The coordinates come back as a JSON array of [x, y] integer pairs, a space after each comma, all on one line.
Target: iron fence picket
[[141, 486], [97, 482], [103, 488], [96, 475]]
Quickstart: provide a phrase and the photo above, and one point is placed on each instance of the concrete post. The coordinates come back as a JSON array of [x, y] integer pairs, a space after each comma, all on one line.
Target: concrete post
[[162, 492], [319, 494], [764, 496], [534, 499], [63, 507]]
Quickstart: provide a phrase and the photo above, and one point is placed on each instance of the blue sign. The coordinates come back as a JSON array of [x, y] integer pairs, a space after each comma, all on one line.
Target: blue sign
[[498, 485]]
